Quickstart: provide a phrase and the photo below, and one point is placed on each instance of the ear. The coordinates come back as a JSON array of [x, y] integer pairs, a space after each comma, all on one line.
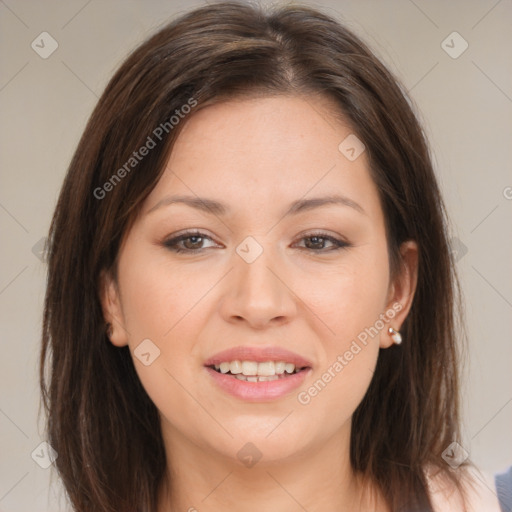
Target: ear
[[401, 290], [112, 311]]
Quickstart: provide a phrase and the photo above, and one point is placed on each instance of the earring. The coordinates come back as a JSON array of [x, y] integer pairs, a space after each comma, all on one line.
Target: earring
[[109, 329], [395, 335]]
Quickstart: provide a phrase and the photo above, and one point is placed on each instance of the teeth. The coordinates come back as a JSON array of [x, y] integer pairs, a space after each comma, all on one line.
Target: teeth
[[254, 378], [255, 369], [224, 367], [235, 367], [249, 368], [279, 367], [289, 367], [266, 369]]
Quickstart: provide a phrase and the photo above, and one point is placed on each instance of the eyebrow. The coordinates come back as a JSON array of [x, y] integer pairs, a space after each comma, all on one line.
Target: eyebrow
[[216, 208]]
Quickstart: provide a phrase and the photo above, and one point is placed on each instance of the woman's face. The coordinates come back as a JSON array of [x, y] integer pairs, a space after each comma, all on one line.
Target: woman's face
[[277, 275]]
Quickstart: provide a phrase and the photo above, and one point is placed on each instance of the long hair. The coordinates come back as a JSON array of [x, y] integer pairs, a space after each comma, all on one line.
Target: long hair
[[100, 420]]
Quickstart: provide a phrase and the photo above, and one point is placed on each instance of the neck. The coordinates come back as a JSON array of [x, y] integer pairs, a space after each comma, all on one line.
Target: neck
[[318, 479]]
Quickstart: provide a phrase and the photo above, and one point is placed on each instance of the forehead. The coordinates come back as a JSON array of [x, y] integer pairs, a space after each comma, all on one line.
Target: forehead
[[263, 152]]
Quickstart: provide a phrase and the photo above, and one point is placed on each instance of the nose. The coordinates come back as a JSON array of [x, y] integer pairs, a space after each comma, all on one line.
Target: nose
[[258, 293]]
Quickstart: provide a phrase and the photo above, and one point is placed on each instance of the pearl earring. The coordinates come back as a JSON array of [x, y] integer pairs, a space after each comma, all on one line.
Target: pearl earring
[[395, 335]]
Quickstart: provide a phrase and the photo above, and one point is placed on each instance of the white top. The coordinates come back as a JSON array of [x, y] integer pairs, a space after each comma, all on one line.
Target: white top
[[483, 498]]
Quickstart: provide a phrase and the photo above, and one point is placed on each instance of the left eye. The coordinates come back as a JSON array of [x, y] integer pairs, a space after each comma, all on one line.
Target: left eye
[[192, 242], [195, 239], [320, 239]]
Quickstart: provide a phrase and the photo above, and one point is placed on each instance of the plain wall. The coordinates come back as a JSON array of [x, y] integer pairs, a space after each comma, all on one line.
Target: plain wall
[[465, 104]]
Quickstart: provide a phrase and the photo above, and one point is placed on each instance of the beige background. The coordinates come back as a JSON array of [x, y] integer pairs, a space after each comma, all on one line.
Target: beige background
[[464, 103]]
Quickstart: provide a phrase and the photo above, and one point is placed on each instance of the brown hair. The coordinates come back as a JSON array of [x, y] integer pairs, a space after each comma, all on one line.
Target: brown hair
[[101, 422]]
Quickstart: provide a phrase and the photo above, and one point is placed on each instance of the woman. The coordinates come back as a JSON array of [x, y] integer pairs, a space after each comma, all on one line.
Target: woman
[[251, 298]]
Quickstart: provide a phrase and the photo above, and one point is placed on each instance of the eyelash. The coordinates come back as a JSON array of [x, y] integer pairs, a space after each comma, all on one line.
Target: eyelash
[[171, 243]]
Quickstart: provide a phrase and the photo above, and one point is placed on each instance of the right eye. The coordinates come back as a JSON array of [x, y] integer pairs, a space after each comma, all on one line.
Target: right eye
[[191, 242]]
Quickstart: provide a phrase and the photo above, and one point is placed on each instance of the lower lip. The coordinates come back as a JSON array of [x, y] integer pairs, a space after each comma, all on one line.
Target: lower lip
[[258, 391]]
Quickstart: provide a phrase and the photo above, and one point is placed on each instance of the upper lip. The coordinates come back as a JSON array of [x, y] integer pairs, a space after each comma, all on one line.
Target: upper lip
[[258, 354]]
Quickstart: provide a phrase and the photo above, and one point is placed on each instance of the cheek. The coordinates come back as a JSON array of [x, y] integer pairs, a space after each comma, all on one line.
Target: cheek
[[349, 353], [157, 296], [351, 305], [167, 305], [348, 298]]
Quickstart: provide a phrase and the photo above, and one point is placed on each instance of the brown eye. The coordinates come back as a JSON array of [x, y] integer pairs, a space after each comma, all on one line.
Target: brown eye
[[192, 242], [187, 242], [317, 243]]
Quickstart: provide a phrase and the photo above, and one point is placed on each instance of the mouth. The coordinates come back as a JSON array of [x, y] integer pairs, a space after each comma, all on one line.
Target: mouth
[[254, 371], [258, 374]]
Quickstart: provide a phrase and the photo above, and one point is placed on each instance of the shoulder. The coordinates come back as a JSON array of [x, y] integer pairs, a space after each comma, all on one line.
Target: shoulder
[[479, 487]]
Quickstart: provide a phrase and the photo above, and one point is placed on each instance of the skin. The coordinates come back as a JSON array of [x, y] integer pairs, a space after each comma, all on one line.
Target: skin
[[257, 156]]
